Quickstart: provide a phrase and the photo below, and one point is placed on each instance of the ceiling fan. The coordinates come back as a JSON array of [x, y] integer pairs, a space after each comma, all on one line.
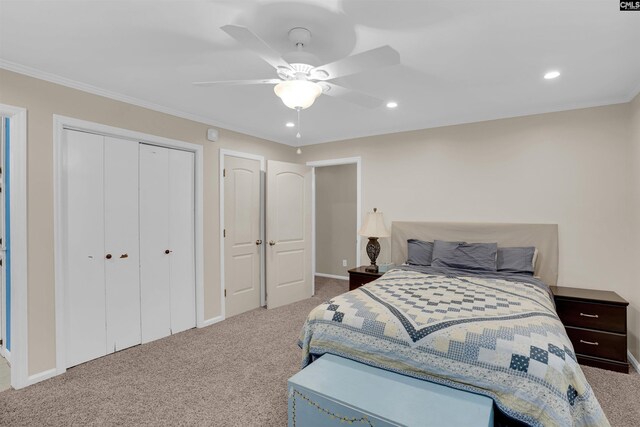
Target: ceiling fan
[[300, 82]]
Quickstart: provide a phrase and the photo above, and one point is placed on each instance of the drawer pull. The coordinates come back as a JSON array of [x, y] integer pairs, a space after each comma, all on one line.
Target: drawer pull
[[595, 316], [589, 342]]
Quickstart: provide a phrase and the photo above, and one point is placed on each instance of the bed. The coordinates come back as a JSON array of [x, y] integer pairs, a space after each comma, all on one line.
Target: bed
[[492, 333]]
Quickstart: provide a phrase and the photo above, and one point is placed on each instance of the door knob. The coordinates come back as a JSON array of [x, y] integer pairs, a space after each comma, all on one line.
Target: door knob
[[258, 242], [108, 256], [167, 252], [124, 256], [271, 243]]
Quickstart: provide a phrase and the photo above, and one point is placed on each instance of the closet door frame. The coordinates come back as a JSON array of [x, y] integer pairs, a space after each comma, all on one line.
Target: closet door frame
[[60, 123], [18, 205], [224, 153]]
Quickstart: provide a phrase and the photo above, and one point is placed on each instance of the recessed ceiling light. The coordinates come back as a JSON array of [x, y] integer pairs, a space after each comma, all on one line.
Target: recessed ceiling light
[[392, 104], [552, 75], [290, 124]]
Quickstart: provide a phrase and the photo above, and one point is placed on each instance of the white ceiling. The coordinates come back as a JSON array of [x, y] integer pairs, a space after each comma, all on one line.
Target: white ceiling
[[461, 62]]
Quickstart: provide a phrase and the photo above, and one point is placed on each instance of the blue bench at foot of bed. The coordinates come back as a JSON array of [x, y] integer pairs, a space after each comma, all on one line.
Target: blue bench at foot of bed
[[335, 391]]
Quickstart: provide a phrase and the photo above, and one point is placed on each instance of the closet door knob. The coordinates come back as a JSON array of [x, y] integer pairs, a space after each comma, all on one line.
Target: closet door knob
[[108, 256], [271, 243], [258, 242], [124, 256], [167, 252]]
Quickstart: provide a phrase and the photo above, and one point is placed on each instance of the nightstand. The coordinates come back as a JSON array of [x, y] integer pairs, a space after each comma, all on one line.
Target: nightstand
[[596, 323], [358, 277]]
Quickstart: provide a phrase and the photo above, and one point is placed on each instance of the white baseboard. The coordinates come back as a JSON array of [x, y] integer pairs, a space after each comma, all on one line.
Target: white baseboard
[[6, 354], [332, 276], [41, 376], [211, 321], [633, 362]]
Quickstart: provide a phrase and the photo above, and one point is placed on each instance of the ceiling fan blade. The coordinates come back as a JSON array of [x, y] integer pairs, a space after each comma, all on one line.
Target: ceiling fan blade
[[239, 82], [383, 56], [251, 41], [351, 95]]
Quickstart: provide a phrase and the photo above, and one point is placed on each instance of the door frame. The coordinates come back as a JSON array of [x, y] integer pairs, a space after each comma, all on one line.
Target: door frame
[[3, 289], [60, 123], [19, 239], [223, 153], [336, 162]]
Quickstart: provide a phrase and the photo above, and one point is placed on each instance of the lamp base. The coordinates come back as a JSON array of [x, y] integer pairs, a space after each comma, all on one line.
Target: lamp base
[[371, 269], [373, 250]]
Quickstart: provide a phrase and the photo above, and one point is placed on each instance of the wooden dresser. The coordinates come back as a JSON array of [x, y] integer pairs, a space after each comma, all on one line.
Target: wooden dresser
[[359, 276], [596, 323]]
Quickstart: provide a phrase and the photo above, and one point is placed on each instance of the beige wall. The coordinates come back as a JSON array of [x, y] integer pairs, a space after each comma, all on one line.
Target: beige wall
[[42, 100], [634, 318], [571, 168], [336, 210], [579, 169]]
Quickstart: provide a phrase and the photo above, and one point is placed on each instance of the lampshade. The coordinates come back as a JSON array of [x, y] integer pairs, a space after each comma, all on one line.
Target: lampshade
[[298, 93], [374, 225]]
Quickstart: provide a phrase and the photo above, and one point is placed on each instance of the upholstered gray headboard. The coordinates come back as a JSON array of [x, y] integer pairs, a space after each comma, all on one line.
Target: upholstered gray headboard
[[542, 236]]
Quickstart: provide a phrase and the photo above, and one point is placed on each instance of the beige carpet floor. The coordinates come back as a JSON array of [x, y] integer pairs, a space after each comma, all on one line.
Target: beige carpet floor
[[230, 374]]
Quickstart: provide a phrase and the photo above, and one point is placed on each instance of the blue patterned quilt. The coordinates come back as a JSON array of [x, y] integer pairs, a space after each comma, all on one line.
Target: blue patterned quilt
[[493, 335]]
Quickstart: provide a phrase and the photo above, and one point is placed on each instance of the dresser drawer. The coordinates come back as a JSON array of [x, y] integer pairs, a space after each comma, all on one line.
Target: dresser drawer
[[600, 344], [604, 317]]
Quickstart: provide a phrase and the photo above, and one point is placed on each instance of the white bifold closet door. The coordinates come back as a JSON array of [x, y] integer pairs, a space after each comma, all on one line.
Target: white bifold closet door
[[102, 287], [167, 263], [121, 242]]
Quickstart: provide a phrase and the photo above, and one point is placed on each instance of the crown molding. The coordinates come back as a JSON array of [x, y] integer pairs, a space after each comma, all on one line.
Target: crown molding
[[475, 118], [84, 87], [63, 81], [635, 92]]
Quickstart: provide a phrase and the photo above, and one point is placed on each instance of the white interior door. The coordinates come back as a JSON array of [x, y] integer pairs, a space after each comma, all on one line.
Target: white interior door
[[83, 192], [242, 244], [289, 276], [182, 273], [155, 279], [122, 268]]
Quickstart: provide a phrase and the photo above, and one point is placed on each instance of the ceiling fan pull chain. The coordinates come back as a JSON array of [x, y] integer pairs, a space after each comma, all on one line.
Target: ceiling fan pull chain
[[298, 135]]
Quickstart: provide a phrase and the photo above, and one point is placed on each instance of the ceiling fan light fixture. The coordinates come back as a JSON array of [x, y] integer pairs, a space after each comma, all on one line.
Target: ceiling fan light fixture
[[298, 94], [552, 75]]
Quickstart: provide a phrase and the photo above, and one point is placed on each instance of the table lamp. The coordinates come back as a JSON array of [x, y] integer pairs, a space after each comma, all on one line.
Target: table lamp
[[373, 228]]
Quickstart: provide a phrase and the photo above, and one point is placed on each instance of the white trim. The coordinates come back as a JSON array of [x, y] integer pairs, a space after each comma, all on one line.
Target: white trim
[[19, 271], [633, 362], [332, 276], [2, 201], [6, 354], [225, 152], [41, 376], [84, 87], [54, 78], [212, 321], [336, 162], [313, 229], [3, 288], [59, 124], [634, 92], [3, 296]]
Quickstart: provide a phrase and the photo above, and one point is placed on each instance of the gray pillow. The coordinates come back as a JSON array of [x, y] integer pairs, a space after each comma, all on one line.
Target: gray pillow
[[469, 256], [419, 252], [516, 260]]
